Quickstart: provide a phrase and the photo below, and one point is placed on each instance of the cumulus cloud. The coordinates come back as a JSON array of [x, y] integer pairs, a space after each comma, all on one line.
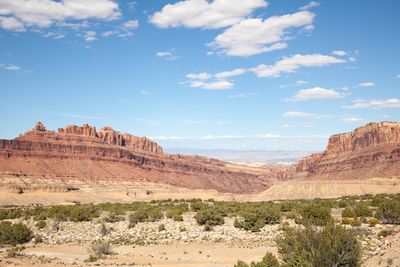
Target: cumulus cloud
[[286, 65], [352, 120], [304, 115], [10, 67], [291, 64], [11, 24], [16, 15], [309, 5], [204, 14], [374, 104], [254, 35], [316, 93], [366, 84], [167, 55], [339, 53]]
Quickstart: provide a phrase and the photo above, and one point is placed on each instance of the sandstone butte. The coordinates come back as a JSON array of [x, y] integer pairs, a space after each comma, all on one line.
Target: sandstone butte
[[369, 151], [84, 154]]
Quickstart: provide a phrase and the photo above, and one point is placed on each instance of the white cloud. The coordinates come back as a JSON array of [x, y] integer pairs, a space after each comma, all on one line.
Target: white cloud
[[231, 73], [211, 85], [11, 24], [398, 76], [304, 115], [243, 95], [205, 14], [339, 53], [286, 65], [90, 36], [20, 14], [130, 24], [199, 76], [55, 35], [344, 88], [366, 84], [254, 36], [291, 64], [10, 67], [352, 120], [123, 30], [309, 5], [375, 104], [316, 93], [301, 82], [167, 55]]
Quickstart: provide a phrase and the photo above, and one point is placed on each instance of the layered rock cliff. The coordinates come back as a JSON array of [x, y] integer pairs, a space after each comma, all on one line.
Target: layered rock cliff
[[369, 151], [85, 154]]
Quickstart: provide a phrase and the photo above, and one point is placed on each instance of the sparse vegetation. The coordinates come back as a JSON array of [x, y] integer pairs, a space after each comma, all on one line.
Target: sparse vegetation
[[100, 248], [389, 211], [13, 234]]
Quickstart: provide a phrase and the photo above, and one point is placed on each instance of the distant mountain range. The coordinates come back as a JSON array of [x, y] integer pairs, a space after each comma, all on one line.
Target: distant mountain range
[[246, 156]]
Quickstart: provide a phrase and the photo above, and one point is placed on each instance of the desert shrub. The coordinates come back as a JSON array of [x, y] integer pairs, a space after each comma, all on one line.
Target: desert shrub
[[355, 222], [241, 264], [13, 234], [348, 213], [101, 247], [113, 218], [10, 214], [41, 224], [209, 217], [385, 233], [254, 218], [269, 260], [389, 211], [145, 214], [198, 205], [362, 210], [161, 227], [104, 230], [14, 252], [316, 215], [252, 222], [343, 203], [373, 222], [38, 239], [347, 220], [175, 212], [332, 246]]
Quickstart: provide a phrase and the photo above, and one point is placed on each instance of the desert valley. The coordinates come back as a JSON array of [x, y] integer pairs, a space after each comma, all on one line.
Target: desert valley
[[105, 178], [199, 133]]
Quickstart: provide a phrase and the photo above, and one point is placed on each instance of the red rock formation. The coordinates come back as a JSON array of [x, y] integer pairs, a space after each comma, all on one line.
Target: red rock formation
[[369, 151], [82, 153]]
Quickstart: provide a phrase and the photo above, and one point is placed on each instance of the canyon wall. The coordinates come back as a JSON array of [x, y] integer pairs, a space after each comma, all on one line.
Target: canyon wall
[[369, 151], [82, 153]]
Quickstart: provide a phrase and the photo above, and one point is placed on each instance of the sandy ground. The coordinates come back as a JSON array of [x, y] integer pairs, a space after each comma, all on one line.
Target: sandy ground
[[179, 255], [293, 189]]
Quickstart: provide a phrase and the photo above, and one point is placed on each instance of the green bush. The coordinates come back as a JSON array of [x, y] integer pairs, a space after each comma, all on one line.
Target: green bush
[[13, 234], [252, 222], [10, 214], [348, 213], [332, 246], [362, 210], [389, 211], [209, 217], [41, 224], [316, 215], [269, 260], [145, 214]]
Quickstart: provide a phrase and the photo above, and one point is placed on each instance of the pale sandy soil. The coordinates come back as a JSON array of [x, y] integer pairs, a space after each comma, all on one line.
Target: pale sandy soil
[[179, 255], [113, 192]]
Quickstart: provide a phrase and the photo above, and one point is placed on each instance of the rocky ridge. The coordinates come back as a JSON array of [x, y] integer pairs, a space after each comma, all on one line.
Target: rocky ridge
[[85, 154], [369, 151]]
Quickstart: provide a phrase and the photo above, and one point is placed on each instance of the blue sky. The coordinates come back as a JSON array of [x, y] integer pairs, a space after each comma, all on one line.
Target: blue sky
[[243, 74]]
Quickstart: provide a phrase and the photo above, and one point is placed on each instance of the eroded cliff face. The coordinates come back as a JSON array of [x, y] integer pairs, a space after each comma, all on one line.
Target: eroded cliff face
[[85, 154], [369, 151]]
